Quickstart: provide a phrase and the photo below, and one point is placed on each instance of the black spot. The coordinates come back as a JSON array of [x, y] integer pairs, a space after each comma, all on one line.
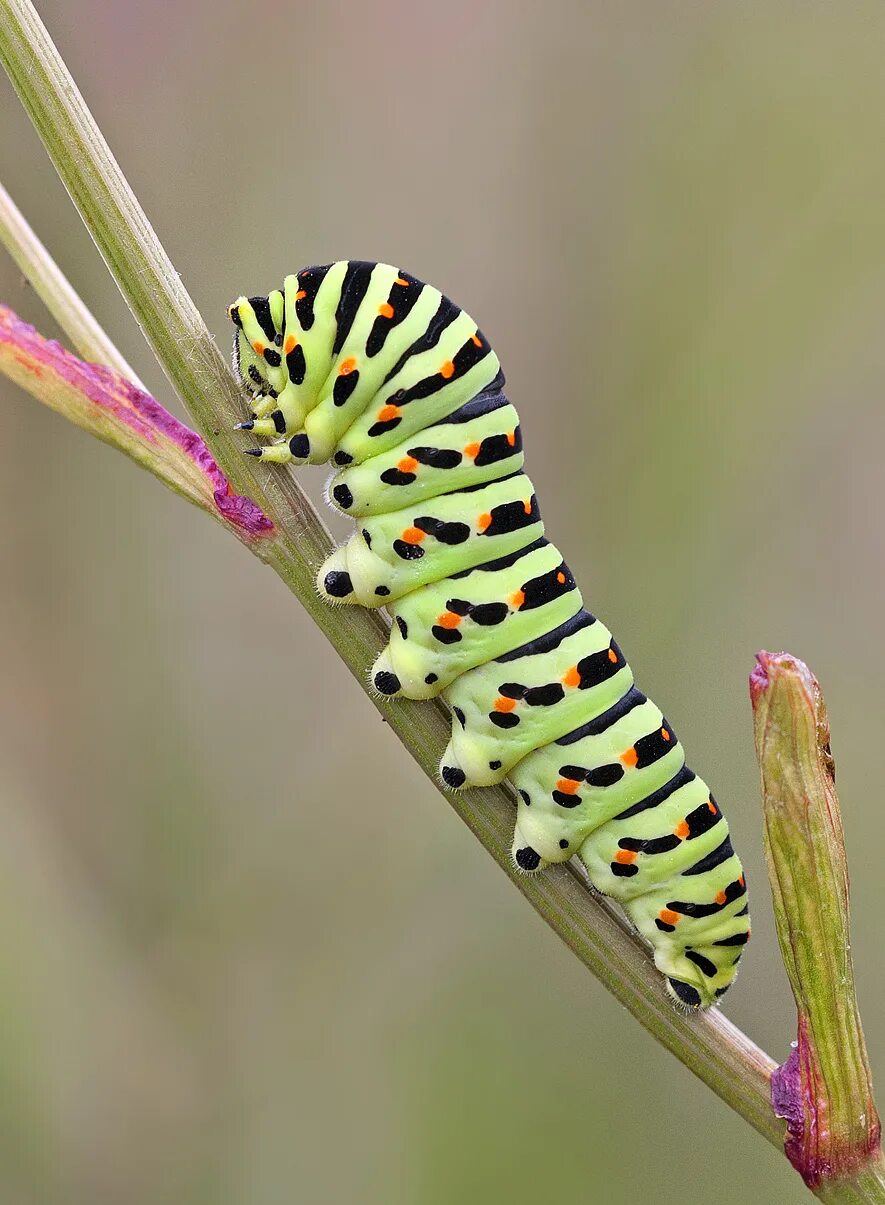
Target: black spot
[[342, 458], [446, 533], [459, 716], [528, 858], [343, 496], [273, 358], [437, 458], [397, 477], [453, 777], [403, 627], [367, 536], [563, 844], [504, 719], [544, 696], [338, 584], [445, 635], [279, 422], [459, 606], [605, 776], [296, 365], [526, 798], [408, 552], [431, 678], [566, 801], [255, 376], [299, 446], [344, 386], [489, 615], [494, 765], [663, 926], [686, 993], [387, 682], [624, 870], [382, 591]]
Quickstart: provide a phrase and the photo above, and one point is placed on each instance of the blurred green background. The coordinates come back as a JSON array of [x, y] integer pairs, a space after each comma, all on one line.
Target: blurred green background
[[248, 954]]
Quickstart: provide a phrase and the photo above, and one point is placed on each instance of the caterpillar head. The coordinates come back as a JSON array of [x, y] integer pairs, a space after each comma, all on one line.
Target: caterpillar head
[[256, 341]]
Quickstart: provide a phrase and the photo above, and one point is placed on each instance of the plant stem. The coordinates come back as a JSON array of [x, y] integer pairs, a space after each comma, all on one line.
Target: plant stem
[[709, 1045], [56, 291]]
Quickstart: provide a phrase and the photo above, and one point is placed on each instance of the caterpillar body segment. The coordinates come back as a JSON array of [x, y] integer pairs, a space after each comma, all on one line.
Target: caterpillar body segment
[[364, 366]]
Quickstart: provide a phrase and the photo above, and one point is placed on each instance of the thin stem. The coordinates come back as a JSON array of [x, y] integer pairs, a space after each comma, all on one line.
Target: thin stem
[[56, 291], [718, 1053]]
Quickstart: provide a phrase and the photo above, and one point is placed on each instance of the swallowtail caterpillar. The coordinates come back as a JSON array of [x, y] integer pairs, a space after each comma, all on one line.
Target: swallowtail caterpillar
[[362, 365]]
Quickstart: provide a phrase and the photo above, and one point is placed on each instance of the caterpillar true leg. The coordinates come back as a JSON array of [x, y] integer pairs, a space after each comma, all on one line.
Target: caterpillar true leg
[[362, 365]]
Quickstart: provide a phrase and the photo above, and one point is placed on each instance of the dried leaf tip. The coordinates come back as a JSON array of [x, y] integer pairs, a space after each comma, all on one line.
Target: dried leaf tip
[[824, 1089], [124, 416]]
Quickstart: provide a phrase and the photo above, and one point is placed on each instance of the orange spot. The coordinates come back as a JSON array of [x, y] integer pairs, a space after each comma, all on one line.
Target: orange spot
[[625, 856], [408, 464], [721, 897], [413, 535], [477, 342], [712, 806], [665, 735], [630, 757], [517, 599], [300, 295], [386, 413], [399, 281], [511, 438], [448, 619], [560, 577], [741, 880], [668, 916], [502, 704], [472, 450], [612, 656], [484, 521], [567, 786], [258, 347], [527, 506], [386, 310], [447, 370], [682, 830], [571, 677], [347, 367], [290, 344]]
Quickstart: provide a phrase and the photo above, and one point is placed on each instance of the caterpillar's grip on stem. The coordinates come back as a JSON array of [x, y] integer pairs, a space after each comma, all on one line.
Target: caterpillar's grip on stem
[[362, 365]]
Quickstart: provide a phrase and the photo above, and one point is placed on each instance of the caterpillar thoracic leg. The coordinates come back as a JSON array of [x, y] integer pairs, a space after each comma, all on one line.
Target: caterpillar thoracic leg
[[362, 365]]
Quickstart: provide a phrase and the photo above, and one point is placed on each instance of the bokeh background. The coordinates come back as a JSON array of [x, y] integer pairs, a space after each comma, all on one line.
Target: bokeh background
[[247, 953]]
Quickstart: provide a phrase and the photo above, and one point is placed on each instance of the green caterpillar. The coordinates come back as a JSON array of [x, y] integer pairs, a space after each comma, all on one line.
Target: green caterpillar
[[362, 365]]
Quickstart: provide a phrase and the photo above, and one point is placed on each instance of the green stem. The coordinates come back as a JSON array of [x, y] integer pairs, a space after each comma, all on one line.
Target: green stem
[[709, 1045]]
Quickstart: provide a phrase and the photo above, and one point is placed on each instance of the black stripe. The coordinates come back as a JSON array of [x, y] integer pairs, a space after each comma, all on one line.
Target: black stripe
[[633, 698], [678, 780], [502, 562], [739, 939], [709, 968], [550, 640], [445, 315], [401, 299], [715, 858], [261, 306], [353, 289], [309, 281], [491, 398], [733, 892], [650, 845]]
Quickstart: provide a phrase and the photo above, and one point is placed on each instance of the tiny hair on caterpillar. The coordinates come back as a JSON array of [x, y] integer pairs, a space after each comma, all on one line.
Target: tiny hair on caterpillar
[[364, 366]]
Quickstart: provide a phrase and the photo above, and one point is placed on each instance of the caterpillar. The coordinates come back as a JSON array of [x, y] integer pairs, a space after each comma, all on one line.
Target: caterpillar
[[364, 366]]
